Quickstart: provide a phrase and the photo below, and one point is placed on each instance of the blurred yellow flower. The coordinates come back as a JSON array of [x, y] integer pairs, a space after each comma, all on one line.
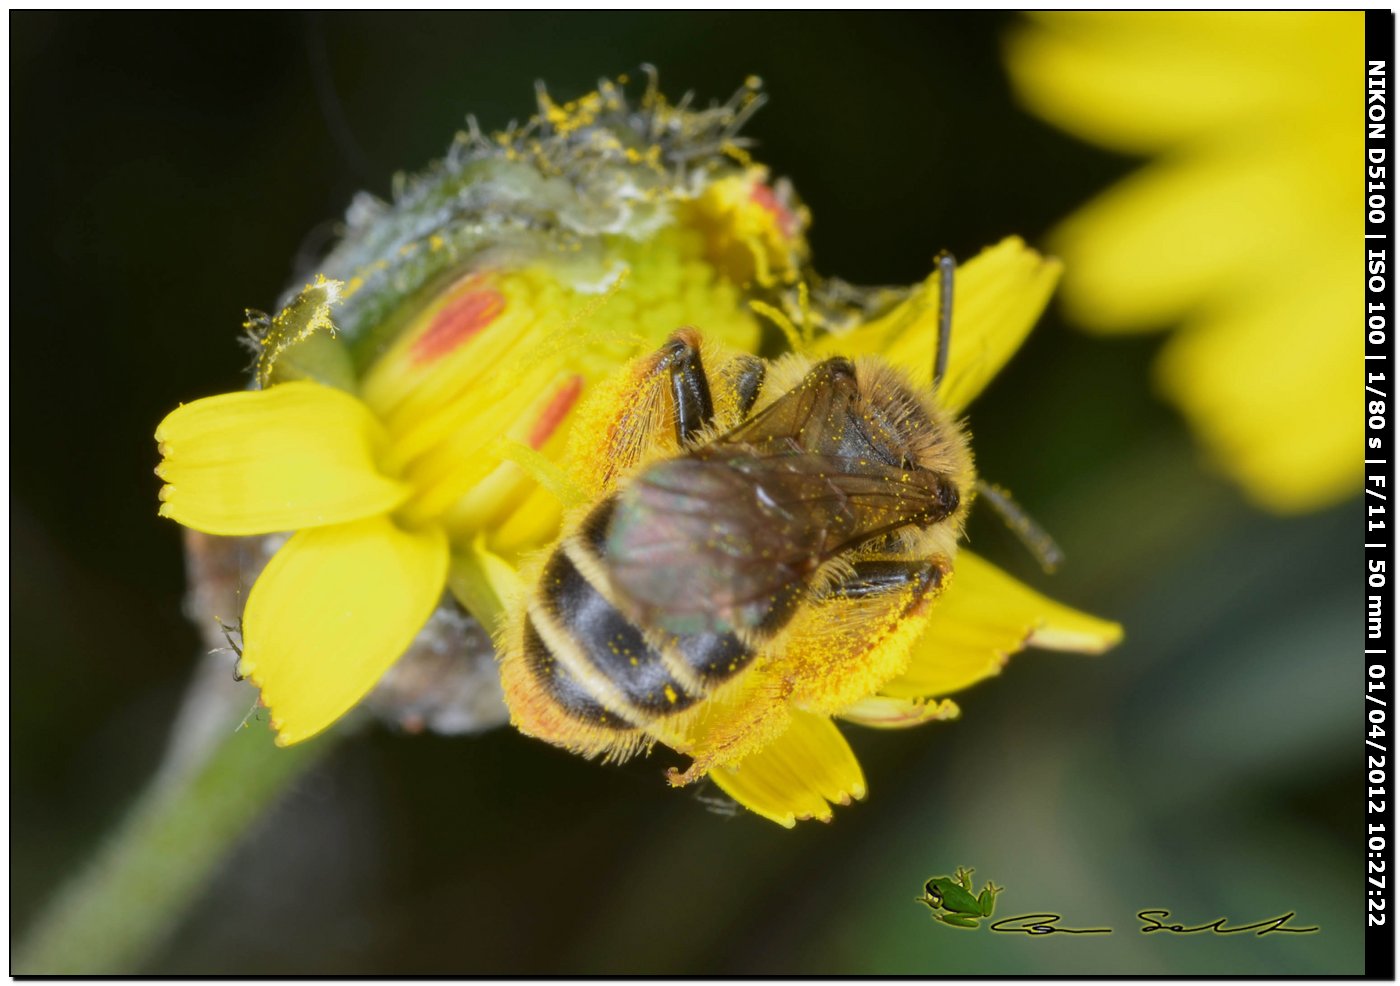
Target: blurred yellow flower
[[412, 412], [1245, 227]]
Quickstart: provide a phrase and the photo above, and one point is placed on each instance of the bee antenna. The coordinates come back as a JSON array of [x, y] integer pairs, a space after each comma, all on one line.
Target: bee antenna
[[946, 265], [1035, 538]]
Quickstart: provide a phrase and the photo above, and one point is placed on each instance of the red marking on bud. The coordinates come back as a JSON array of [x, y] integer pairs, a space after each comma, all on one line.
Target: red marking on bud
[[458, 323], [765, 198], [555, 411]]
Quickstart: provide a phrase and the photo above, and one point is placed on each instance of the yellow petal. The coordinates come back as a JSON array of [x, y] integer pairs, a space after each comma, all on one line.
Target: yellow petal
[[884, 712], [796, 775], [1142, 82], [331, 612], [1184, 230], [1271, 386], [533, 523], [997, 297], [483, 582], [295, 455], [981, 620], [454, 345]]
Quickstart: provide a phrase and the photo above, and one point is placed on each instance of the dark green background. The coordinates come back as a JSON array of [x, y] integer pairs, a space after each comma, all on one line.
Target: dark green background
[[166, 170]]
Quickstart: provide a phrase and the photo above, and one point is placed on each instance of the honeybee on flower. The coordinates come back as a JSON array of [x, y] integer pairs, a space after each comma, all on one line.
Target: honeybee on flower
[[426, 452]]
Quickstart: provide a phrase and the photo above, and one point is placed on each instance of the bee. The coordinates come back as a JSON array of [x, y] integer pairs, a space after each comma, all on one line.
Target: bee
[[773, 534]]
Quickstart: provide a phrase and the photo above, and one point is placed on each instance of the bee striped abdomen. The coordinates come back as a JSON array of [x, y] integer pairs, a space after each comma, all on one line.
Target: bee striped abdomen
[[608, 643], [563, 688], [715, 657], [596, 664]]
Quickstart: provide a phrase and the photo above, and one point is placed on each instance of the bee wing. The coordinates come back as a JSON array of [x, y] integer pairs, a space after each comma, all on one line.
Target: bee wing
[[729, 541], [811, 417]]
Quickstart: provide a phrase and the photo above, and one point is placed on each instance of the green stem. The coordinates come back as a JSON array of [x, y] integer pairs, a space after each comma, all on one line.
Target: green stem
[[114, 913]]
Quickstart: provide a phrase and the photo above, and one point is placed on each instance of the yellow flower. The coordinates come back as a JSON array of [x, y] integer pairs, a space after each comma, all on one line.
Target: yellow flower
[[415, 452], [1245, 227], [383, 484], [770, 742]]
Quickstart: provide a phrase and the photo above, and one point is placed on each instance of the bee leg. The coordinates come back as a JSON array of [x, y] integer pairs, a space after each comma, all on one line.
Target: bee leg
[[690, 388], [874, 578], [858, 634], [744, 375], [666, 391]]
